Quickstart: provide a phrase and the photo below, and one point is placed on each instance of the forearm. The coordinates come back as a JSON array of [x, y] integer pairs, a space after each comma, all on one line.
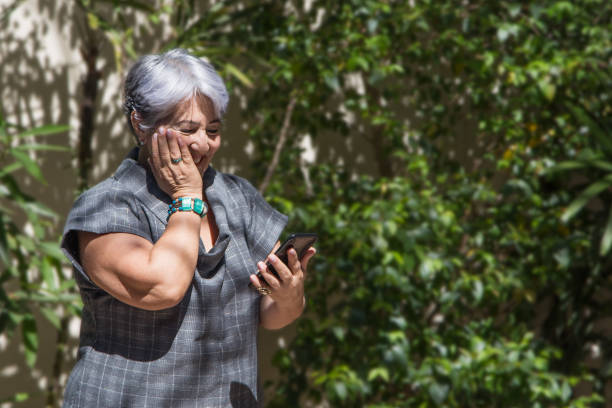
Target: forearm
[[172, 260], [275, 316]]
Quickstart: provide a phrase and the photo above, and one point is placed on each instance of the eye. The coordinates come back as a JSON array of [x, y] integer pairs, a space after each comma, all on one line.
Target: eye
[[212, 132], [188, 131]]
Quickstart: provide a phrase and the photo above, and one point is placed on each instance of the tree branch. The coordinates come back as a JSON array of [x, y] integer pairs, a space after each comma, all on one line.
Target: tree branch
[[90, 84], [279, 145]]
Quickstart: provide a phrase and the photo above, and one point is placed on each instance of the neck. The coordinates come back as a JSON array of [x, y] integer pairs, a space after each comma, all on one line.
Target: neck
[[142, 156]]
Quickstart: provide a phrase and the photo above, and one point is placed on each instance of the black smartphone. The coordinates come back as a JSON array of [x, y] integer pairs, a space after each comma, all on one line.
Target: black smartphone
[[300, 241]]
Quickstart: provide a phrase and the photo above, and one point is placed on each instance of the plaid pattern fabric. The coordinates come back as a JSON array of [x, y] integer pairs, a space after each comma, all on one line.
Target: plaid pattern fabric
[[200, 353]]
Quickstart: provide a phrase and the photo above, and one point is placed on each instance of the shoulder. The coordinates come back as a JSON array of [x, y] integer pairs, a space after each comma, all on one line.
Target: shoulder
[[118, 192], [103, 196], [239, 184], [109, 206]]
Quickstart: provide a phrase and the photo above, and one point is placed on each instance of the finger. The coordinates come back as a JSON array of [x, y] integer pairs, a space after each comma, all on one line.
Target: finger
[[293, 262], [309, 254], [255, 281], [173, 145], [283, 271], [162, 145], [273, 282], [155, 152], [184, 148]]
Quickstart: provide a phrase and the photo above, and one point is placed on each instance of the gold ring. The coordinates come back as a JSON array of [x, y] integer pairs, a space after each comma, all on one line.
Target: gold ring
[[263, 291]]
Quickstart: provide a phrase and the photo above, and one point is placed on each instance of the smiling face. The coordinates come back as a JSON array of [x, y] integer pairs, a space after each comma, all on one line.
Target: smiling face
[[196, 123]]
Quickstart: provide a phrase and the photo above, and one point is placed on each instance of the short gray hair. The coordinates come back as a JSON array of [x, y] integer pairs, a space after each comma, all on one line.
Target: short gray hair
[[157, 83]]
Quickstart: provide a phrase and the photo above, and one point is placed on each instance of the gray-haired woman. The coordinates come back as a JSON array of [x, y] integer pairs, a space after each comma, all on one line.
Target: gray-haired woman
[[164, 251]]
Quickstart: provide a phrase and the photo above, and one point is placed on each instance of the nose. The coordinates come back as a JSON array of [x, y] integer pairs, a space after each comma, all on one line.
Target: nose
[[199, 143], [204, 140]]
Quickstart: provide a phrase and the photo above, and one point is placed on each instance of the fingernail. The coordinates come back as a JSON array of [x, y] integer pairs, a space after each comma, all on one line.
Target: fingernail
[[155, 136], [261, 265], [273, 258]]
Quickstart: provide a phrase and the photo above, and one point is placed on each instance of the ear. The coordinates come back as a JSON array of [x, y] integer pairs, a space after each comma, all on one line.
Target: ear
[[135, 120]]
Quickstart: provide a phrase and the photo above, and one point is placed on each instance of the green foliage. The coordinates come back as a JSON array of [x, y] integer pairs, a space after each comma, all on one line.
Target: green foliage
[[447, 282], [414, 303], [31, 277], [595, 163]]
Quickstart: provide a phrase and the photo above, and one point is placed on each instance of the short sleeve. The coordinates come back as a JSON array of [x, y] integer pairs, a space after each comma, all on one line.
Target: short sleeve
[[104, 209], [265, 224]]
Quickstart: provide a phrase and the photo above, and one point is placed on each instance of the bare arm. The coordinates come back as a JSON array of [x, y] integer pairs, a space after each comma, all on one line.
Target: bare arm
[[132, 269], [141, 274], [286, 301]]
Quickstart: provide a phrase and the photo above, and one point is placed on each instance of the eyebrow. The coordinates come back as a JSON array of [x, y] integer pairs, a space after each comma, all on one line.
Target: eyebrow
[[191, 122]]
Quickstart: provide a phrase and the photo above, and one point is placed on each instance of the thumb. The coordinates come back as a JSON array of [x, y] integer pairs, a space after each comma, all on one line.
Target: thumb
[[309, 254]]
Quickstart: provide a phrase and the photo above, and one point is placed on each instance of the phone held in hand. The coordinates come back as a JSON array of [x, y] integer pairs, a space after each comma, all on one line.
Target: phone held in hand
[[300, 241]]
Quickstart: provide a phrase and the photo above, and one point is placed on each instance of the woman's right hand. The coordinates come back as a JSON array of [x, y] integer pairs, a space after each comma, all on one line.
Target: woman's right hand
[[180, 179]]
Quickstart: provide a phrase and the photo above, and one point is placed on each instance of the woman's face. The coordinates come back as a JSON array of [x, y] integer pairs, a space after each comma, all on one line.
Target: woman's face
[[196, 123]]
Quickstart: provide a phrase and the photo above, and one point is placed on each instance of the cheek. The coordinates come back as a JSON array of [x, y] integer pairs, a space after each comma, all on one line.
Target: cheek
[[214, 145]]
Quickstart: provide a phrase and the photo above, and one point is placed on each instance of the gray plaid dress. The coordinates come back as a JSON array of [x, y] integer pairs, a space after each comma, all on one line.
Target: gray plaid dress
[[200, 353]]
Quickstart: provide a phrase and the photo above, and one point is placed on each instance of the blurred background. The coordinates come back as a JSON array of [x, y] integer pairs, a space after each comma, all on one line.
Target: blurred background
[[455, 158]]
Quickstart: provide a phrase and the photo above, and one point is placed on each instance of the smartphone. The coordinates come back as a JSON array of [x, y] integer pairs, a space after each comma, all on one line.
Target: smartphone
[[300, 241]]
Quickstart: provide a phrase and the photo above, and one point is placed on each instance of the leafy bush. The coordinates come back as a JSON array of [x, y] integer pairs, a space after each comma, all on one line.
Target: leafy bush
[[466, 279], [411, 302], [31, 278]]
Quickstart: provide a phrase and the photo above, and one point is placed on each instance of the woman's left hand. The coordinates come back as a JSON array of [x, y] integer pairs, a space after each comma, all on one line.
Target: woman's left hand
[[288, 291]]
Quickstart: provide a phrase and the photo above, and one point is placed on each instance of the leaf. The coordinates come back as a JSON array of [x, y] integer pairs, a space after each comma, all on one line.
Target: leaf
[[478, 290], [9, 168], [52, 316], [93, 20], [21, 396], [47, 273], [241, 76], [44, 130], [601, 164], [606, 240], [38, 209], [601, 134], [338, 332], [138, 5], [30, 339], [567, 166], [18, 397], [44, 147], [29, 164], [378, 372], [438, 392], [566, 391], [584, 197], [3, 243], [548, 89], [52, 249], [340, 390]]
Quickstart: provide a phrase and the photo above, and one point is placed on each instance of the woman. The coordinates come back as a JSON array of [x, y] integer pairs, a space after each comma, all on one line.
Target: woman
[[164, 251]]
